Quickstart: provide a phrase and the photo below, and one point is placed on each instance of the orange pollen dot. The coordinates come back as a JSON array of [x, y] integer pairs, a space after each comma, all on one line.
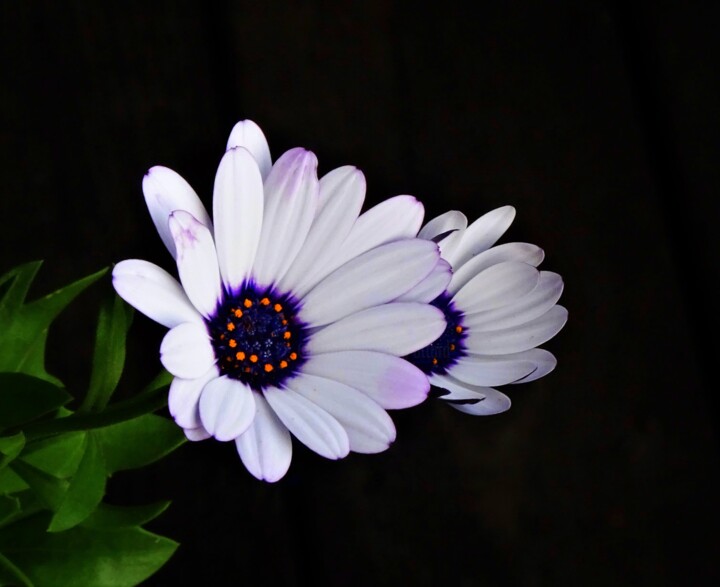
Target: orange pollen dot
[[434, 361], [458, 329], [253, 358], [287, 336], [247, 303], [238, 313], [452, 347], [232, 343], [277, 307], [240, 356], [283, 364], [265, 301], [284, 322], [293, 356], [222, 337], [247, 369], [230, 326], [268, 367]]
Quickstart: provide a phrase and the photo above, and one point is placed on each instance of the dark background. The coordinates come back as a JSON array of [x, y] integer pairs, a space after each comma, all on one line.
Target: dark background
[[598, 121]]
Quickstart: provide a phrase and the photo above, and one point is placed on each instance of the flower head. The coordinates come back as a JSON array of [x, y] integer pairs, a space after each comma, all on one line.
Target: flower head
[[498, 308], [288, 317]]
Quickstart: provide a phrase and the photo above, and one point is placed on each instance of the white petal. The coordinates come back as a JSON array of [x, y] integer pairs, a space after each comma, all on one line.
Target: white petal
[[266, 447], [238, 213], [227, 408], [520, 252], [545, 362], [481, 235], [186, 351], [452, 220], [392, 382], [396, 329], [532, 305], [291, 198], [311, 425], [154, 292], [165, 191], [197, 261], [497, 286], [342, 192], [470, 399], [184, 396], [449, 244], [196, 434], [493, 370], [432, 286], [391, 220], [248, 135], [518, 338], [369, 428], [375, 277]]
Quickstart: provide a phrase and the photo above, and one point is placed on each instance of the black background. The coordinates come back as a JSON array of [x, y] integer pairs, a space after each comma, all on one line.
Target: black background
[[598, 121]]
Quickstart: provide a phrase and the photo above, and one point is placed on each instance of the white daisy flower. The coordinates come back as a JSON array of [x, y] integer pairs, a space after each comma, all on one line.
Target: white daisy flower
[[498, 308], [287, 319]]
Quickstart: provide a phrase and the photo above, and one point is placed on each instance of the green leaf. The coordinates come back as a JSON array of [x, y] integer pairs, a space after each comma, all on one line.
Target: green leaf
[[24, 326], [86, 489], [139, 442], [9, 508], [10, 447], [20, 505], [109, 357], [24, 398], [10, 482], [48, 489], [58, 456], [114, 517], [84, 556], [12, 576]]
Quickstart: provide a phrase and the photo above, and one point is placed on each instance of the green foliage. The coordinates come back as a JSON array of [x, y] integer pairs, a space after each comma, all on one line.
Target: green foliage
[[55, 462]]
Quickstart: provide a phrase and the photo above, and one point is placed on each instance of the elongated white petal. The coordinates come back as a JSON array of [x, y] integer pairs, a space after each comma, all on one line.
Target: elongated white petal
[[291, 198], [184, 396], [310, 424], [248, 135], [396, 329], [519, 252], [471, 399], [481, 235], [391, 220], [497, 286], [265, 448], [545, 362], [342, 192], [165, 191], [449, 244], [186, 351], [196, 434], [238, 212], [227, 408], [432, 286], [375, 277], [518, 338], [154, 292], [197, 261], [368, 427], [530, 306], [493, 370], [392, 382], [451, 220]]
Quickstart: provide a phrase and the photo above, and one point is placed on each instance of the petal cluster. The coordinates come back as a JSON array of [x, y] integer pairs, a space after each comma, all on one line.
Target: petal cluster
[[292, 312]]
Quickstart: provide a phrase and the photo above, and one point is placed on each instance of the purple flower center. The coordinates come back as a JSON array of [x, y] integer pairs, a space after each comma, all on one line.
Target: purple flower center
[[257, 338], [442, 354]]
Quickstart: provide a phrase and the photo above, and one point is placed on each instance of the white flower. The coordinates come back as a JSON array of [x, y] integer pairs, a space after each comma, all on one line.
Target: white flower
[[286, 320], [498, 308]]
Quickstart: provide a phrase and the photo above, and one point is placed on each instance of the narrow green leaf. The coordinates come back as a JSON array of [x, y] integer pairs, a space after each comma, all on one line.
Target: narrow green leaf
[[10, 447], [25, 326], [9, 508], [24, 398], [139, 442], [84, 556], [17, 506], [11, 576], [109, 357], [86, 488], [49, 490], [114, 517], [58, 456], [10, 482]]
